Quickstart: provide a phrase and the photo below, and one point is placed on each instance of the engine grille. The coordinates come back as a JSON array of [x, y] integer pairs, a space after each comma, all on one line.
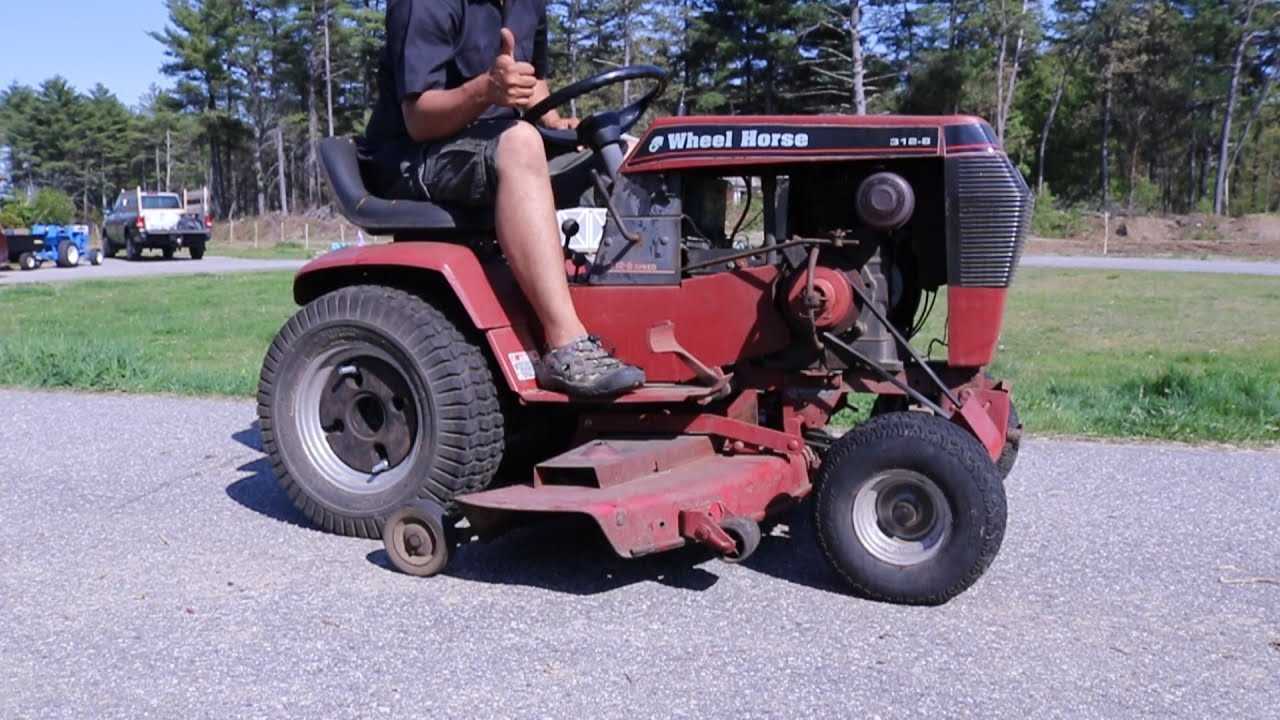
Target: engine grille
[[988, 216]]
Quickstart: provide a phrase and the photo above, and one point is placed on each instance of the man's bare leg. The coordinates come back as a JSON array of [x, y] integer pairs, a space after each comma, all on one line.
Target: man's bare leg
[[528, 234]]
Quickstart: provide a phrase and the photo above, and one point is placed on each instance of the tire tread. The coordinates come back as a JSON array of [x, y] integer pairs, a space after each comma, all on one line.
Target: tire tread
[[471, 430]]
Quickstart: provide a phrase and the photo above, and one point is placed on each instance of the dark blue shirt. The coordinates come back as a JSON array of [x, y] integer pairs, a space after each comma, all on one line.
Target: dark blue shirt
[[440, 45]]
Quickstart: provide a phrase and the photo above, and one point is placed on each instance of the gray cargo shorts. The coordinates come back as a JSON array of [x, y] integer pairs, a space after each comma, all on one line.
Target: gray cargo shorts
[[463, 170]]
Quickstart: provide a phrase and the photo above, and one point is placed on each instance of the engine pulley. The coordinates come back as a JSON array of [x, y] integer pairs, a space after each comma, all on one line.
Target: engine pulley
[[886, 201], [832, 301]]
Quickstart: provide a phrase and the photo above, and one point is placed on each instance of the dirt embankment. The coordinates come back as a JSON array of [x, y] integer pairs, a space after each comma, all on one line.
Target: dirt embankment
[[1251, 236]]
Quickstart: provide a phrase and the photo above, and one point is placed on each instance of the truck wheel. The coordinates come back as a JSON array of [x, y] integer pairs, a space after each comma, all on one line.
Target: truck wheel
[[370, 400], [168, 253], [909, 509], [68, 255], [108, 250], [27, 261], [132, 250], [197, 252]]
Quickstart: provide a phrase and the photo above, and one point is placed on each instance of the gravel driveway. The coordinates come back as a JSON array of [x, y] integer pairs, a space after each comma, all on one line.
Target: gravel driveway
[[153, 569], [150, 267]]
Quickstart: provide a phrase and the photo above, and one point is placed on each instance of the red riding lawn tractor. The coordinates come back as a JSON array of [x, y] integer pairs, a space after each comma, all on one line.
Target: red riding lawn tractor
[[401, 399]]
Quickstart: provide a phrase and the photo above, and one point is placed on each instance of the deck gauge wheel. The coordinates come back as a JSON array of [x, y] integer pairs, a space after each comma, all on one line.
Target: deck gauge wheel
[[418, 540], [746, 535]]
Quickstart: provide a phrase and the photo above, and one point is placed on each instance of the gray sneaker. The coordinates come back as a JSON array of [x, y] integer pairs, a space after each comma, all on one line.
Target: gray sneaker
[[585, 369]]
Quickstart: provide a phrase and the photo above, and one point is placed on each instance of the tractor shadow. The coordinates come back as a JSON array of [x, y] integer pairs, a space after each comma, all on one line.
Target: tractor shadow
[[569, 555], [257, 489]]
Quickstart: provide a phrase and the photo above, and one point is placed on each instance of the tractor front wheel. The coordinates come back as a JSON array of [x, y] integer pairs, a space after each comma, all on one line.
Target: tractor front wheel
[[909, 509], [371, 401], [27, 261], [886, 404]]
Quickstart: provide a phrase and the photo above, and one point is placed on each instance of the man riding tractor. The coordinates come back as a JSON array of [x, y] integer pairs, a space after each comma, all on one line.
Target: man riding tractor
[[431, 379], [446, 129]]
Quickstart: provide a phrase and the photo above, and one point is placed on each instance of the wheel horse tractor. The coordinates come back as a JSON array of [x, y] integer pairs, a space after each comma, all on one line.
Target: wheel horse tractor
[[402, 398]]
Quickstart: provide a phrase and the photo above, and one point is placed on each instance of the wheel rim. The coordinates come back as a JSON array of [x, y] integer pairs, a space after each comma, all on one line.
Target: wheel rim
[[902, 517], [73, 255], [415, 543], [359, 418]]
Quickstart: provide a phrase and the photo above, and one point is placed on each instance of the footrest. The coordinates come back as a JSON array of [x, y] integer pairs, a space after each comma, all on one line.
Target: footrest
[[649, 394]]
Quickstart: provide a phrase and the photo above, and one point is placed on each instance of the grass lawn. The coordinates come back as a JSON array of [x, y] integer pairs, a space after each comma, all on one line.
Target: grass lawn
[[1142, 355], [202, 335], [282, 251]]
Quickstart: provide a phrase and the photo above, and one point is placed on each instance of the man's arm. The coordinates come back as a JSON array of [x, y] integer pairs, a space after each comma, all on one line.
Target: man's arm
[[437, 114]]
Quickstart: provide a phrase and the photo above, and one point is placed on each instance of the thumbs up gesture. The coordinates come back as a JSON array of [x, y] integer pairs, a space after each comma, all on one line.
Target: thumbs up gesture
[[511, 83]]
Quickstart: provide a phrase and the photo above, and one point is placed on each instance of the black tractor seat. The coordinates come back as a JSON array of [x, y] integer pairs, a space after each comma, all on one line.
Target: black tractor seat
[[379, 216], [427, 220]]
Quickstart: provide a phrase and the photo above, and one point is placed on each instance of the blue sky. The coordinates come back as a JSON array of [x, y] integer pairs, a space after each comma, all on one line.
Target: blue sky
[[85, 41]]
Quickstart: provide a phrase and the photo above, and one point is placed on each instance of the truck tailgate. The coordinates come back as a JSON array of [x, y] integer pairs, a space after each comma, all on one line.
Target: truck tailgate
[[162, 219]]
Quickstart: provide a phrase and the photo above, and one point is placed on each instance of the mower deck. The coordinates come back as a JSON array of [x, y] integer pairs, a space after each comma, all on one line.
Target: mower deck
[[649, 495]]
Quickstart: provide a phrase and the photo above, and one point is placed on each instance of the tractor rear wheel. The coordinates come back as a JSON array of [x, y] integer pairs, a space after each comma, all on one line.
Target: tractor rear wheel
[[372, 400], [68, 255], [909, 509]]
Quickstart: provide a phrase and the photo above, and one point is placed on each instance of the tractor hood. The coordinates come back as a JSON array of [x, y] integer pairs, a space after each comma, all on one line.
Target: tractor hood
[[678, 143]]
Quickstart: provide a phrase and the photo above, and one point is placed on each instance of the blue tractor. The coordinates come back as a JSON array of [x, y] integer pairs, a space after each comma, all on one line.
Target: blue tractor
[[65, 245]]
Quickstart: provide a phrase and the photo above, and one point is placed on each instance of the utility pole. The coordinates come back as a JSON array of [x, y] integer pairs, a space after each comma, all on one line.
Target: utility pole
[[168, 158], [284, 191], [328, 70]]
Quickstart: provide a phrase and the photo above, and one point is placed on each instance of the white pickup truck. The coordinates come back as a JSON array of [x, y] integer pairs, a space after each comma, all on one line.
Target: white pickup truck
[[161, 221]]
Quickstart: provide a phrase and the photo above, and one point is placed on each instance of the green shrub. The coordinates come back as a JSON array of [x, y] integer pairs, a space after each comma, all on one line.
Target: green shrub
[[48, 207], [1146, 195], [1051, 219]]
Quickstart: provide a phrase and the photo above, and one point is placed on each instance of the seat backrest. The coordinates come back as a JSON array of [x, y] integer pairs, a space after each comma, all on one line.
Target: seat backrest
[[378, 216]]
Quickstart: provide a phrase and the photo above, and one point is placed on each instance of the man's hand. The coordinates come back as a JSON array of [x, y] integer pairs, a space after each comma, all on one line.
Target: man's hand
[[511, 83], [560, 123]]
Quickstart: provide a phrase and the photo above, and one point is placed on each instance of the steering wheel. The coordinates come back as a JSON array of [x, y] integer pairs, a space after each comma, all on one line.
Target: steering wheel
[[602, 128]]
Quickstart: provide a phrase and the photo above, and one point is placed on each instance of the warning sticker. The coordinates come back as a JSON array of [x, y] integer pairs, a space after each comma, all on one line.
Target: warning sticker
[[522, 364]]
